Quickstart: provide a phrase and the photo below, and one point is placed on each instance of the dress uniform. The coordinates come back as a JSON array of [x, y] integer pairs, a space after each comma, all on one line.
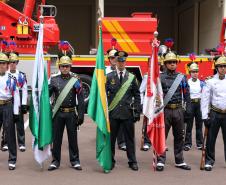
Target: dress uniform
[[66, 114], [9, 104], [213, 105], [109, 69], [22, 85], [196, 87], [122, 88], [173, 112]]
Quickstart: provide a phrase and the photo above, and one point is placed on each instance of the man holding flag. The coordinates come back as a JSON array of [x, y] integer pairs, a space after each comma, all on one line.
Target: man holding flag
[[122, 89], [176, 93], [68, 97]]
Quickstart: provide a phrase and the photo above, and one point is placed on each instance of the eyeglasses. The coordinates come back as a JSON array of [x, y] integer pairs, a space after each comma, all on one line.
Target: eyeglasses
[[194, 71], [171, 62], [112, 58], [222, 66], [13, 62], [65, 66]]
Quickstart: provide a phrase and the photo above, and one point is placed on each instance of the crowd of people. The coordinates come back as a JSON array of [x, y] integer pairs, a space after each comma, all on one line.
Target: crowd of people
[[189, 101]]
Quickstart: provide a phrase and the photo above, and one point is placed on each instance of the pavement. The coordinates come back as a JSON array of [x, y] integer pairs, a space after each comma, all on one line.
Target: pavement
[[28, 172]]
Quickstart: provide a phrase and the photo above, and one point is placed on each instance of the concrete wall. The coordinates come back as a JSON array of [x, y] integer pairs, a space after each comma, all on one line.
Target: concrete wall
[[198, 25], [185, 35], [210, 21]]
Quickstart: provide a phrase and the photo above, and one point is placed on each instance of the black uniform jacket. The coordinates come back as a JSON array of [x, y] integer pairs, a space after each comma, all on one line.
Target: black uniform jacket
[[123, 110], [57, 84], [183, 90]]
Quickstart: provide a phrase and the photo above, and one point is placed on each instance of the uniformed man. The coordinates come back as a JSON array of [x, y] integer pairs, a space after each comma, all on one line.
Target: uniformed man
[[112, 60], [109, 69], [196, 87], [122, 89], [9, 104], [176, 91], [68, 97], [22, 84], [213, 106]]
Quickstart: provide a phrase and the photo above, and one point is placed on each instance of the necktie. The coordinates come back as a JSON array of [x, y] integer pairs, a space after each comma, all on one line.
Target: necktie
[[120, 79]]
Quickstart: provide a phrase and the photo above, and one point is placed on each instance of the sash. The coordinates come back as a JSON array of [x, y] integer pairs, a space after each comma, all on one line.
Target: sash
[[63, 95], [121, 92], [170, 92], [173, 89]]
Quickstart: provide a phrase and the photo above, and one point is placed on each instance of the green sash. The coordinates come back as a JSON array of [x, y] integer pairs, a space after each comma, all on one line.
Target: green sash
[[63, 95], [119, 95]]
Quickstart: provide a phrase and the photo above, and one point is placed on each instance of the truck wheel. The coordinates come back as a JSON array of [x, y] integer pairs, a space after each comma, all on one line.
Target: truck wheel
[[86, 85]]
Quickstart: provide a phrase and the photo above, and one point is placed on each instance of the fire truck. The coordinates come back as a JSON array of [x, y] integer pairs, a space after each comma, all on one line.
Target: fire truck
[[133, 34]]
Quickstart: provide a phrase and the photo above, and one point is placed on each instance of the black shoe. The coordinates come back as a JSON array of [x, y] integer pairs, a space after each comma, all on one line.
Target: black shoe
[[208, 167], [187, 148], [122, 147], [199, 147], [77, 166], [5, 148], [22, 148], [160, 167], [183, 167], [52, 167], [133, 166], [12, 166], [146, 147]]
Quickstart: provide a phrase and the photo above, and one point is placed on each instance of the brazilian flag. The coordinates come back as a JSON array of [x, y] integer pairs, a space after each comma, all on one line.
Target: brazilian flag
[[98, 110]]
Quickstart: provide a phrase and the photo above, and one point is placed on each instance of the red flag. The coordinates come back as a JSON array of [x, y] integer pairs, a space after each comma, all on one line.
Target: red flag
[[153, 104]]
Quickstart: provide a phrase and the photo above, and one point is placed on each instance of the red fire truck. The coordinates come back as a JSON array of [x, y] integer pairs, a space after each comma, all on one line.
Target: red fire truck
[[134, 35]]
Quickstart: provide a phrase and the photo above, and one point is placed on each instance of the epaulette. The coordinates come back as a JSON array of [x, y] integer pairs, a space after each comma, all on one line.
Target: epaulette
[[11, 76], [54, 74], [112, 73], [22, 72], [74, 75]]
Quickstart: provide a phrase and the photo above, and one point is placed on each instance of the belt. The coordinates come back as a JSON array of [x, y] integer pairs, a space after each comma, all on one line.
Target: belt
[[218, 110], [174, 105], [195, 100], [4, 102], [69, 109]]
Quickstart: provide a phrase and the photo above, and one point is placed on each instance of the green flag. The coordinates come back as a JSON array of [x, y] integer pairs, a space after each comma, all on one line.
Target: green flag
[[98, 110], [40, 120]]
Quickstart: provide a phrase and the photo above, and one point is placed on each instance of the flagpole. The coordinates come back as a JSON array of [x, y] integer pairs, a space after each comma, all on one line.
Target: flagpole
[[41, 19]]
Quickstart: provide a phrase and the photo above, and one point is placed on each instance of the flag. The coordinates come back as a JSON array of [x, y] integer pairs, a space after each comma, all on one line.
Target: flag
[[98, 110], [153, 103], [40, 119]]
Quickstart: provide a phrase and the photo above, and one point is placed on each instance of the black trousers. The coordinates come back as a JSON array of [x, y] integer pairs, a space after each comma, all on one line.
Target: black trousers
[[146, 139], [70, 120], [197, 115], [174, 118], [6, 118], [129, 133], [217, 121], [19, 131], [120, 137]]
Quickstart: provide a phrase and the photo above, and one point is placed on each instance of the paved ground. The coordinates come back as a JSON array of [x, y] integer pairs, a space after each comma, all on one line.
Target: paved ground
[[29, 173]]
